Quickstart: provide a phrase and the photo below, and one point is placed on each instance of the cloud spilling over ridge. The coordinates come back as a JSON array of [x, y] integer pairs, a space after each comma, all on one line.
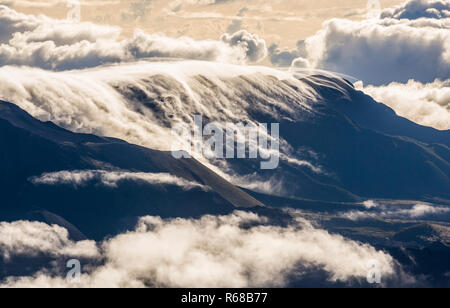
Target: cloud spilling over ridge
[[64, 45], [238, 250], [426, 104], [111, 178], [141, 102]]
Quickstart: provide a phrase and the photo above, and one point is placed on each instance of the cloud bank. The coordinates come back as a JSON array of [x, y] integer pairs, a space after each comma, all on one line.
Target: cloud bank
[[238, 250], [111, 178], [380, 51], [63, 45], [411, 41], [419, 9], [426, 104]]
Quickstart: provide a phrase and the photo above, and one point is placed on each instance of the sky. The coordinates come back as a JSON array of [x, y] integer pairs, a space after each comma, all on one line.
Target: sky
[[283, 22]]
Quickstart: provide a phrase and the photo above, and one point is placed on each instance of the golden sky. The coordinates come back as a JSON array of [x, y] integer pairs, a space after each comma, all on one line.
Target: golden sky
[[278, 21]]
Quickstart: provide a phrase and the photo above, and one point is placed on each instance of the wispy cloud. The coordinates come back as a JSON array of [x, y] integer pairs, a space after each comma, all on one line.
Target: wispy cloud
[[111, 178], [418, 211]]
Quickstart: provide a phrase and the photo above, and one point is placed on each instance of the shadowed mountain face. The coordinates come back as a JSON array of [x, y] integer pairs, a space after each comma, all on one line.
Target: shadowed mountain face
[[368, 149], [30, 148]]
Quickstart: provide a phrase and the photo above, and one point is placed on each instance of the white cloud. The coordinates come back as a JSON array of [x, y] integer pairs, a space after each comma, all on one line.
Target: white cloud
[[382, 51], [63, 45], [220, 252], [369, 204], [111, 178], [416, 9], [420, 210], [255, 47], [411, 41], [426, 104], [381, 211], [141, 102], [31, 239]]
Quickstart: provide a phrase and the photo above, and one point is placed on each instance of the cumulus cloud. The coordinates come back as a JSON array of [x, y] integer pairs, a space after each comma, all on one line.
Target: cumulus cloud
[[380, 52], [426, 104], [33, 239], [255, 47], [285, 57], [63, 45], [416, 9], [111, 178], [396, 47], [238, 250]]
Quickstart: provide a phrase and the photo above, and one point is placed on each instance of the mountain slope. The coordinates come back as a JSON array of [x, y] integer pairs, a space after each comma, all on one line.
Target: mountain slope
[[29, 148]]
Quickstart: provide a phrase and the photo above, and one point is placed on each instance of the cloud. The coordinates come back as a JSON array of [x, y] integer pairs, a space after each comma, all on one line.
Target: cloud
[[32, 239], [381, 211], [285, 57], [238, 250], [416, 9], [369, 204], [111, 178], [380, 52], [426, 104], [255, 47], [420, 210], [396, 47], [63, 45], [141, 102], [402, 58]]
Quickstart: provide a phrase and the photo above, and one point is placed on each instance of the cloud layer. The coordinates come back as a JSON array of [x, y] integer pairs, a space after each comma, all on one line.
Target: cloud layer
[[238, 250], [64, 45]]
